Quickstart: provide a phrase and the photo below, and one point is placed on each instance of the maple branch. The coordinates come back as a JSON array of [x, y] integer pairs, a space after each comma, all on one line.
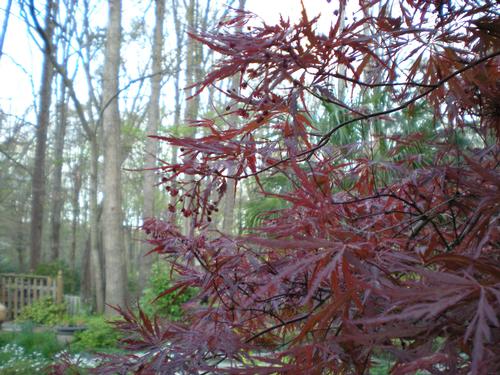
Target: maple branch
[[267, 330], [325, 138]]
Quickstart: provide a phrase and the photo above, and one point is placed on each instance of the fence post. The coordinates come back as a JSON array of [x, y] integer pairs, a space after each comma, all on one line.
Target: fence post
[[59, 287]]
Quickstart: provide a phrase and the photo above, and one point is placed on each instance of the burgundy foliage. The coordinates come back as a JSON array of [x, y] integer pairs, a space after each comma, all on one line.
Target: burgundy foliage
[[394, 257]]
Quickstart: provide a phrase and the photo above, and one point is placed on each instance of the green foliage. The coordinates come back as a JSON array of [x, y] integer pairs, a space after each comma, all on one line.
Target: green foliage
[[99, 335], [27, 352], [259, 208], [169, 306], [71, 278], [44, 343], [44, 311]]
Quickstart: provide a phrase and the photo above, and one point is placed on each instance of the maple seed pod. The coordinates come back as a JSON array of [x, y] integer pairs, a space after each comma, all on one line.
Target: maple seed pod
[[167, 188], [171, 208], [209, 219], [164, 179], [174, 192]]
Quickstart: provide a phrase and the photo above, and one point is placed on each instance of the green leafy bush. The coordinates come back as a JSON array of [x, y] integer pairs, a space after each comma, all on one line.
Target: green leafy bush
[[44, 311], [169, 306], [99, 335]]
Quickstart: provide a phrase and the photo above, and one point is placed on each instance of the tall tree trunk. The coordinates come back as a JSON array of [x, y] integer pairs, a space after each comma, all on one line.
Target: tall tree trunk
[[20, 240], [77, 185], [97, 264], [57, 198], [43, 118], [179, 37], [115, 289], [85, 285], [60, 133], [230, 198], [152, 128], [193, 68]]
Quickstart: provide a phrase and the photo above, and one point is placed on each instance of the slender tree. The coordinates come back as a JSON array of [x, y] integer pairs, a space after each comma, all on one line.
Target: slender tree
[[112, 217], [230, 197], [59, 139], [150, 157], [193, 67], [43, 120]]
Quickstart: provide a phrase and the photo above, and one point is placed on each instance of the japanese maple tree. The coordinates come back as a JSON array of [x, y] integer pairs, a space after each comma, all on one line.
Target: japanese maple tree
[[377, 251]]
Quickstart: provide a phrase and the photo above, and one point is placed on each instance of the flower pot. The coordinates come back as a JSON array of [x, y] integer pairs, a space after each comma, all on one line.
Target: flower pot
[[65, 334]]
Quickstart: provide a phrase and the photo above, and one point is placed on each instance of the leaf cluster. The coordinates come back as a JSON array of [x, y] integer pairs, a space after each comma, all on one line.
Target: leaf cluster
[[44, 312]]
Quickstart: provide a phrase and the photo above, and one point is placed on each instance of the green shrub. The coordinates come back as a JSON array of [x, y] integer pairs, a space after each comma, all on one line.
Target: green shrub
[[99, 335], [44, 311], [169, 306]]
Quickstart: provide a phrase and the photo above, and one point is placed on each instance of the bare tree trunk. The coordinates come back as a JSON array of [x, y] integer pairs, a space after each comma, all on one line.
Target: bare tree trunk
[[77, 185], [152, 128], [43, 118], [20, 240], [86, 285], [57, 198], [193, 67], [179, 37], [230, 198], [60, 133], [97, 266], [115, 289]]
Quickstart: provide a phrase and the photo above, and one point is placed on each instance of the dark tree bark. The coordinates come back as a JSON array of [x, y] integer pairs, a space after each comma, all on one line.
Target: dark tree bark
[[57, 191], [43, 118], [230, 197], [77, 185]]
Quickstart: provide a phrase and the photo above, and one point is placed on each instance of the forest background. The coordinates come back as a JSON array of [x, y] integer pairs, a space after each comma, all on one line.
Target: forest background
[[70, 191]]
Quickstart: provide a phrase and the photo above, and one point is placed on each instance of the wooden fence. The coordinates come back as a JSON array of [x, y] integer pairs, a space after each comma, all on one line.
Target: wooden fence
[[73, 304], [18, 291]]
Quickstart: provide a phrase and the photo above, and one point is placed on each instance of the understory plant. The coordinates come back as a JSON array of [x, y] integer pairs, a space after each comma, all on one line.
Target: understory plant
[[43, 312], [154, 302], [386, 244]]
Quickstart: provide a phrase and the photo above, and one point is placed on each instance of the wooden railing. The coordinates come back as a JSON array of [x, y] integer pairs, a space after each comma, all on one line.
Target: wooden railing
[[18, 291]]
